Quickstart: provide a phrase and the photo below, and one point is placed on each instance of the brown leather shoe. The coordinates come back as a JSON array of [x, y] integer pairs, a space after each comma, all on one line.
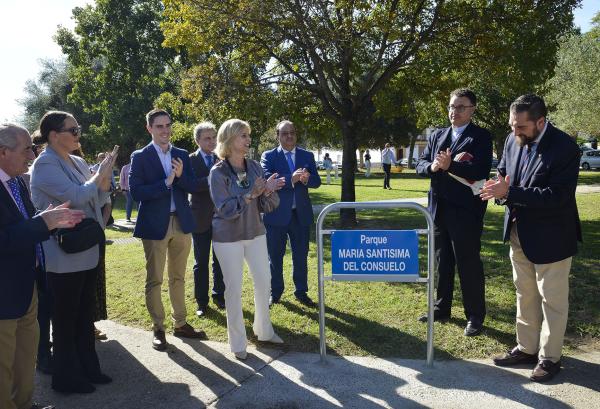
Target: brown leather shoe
[[187, 331], [515, 357], [545, 370], [160, 341]]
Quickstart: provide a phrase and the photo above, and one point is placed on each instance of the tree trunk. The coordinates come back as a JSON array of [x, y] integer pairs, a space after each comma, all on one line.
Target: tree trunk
[[499, 145], [348, 216], [411, 148]]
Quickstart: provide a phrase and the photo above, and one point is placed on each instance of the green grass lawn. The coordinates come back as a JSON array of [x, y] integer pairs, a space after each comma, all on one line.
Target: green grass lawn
[[380, 318]]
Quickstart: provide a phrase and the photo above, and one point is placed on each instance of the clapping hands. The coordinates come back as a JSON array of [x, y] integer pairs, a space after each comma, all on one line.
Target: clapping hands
[[105, 171], [176, 170], [442, 161], [61, 216], [301, 175], [274, 183]]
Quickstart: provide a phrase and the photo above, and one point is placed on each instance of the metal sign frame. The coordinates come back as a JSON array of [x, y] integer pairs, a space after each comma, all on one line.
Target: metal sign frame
[[429, 280]]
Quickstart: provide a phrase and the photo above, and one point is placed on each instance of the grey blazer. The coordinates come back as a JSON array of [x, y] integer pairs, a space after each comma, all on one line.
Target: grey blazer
[[54, 181]]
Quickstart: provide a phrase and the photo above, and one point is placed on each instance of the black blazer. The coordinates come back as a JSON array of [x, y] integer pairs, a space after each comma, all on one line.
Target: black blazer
[[18, 238], [475, 140], [545, 206], [202, 205]]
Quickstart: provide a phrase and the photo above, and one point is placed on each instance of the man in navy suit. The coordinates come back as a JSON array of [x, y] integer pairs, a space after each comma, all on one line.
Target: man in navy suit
[[462, 150], [160, 179], [537, 178], [22, 261], [203, 209], [294, 215]]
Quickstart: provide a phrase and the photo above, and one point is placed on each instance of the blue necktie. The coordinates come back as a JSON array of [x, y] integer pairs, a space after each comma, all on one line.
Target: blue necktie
[[525, 163], [209, 161], [288, 156], [14, 189]]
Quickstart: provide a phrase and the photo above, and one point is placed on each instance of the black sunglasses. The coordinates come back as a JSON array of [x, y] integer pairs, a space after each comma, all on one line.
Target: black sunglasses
[[76, 130]]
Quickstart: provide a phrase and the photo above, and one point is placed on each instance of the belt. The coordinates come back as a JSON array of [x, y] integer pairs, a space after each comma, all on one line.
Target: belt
[[173, 213]]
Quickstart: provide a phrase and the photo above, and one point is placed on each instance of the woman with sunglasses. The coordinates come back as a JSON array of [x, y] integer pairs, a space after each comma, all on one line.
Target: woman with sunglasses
[[240, 193], [57, 177]]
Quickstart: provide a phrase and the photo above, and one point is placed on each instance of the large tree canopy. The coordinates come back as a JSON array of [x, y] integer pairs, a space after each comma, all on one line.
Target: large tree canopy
[[343, 53], [119, 68]]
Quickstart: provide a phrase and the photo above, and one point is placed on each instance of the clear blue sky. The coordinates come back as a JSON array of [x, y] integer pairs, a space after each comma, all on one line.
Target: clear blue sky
[[28, 26]]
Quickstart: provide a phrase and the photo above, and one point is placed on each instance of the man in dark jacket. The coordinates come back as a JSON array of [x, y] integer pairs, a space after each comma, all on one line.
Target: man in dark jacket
[[205, 135], [537, 178], [456, 158], [22, 261]]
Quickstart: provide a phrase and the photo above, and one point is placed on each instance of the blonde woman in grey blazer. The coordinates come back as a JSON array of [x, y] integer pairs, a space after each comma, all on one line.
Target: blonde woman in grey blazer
[[59, 177]]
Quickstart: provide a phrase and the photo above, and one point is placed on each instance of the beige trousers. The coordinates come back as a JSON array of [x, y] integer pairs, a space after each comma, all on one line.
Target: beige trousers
[[542, 302], [175, 248], [18, 350]]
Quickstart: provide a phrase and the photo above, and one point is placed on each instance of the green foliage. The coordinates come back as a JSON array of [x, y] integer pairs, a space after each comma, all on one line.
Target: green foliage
[[119, 67], [513, 53], [371, 67], [575, 89]]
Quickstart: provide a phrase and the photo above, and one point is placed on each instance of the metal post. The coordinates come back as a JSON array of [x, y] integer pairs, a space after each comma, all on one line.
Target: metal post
[[430, 265]]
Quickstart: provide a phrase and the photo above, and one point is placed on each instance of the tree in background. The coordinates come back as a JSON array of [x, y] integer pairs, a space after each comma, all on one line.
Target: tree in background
[[340, 55], [119, 67], [50, 91], [574, 91], [514, 54]]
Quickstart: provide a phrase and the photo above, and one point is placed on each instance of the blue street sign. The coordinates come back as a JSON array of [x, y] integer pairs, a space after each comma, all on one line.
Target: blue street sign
[[374, 253]]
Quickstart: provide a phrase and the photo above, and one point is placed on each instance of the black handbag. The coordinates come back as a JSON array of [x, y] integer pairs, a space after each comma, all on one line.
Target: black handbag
[[85, 235]]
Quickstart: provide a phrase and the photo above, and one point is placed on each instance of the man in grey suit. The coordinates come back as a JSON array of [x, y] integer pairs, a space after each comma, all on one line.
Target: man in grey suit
[[205, 135]]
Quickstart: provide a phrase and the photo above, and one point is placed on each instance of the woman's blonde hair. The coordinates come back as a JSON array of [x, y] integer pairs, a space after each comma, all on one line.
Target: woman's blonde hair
[[229, 130]]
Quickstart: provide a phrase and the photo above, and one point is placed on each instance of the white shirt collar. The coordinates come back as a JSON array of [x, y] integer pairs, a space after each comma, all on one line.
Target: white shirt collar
[[204, 154], [284, 151], [537, 140], [459, 130], [159, 149], [4, 176]]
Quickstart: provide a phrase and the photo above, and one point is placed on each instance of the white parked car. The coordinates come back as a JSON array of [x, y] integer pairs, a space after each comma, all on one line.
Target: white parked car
[[590, 159]]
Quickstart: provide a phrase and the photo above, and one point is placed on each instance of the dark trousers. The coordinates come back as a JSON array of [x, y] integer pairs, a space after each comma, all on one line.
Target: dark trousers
[[277, 237], [387, 168], [74, 347], [458, 245], [44, 317], [202, 243], [129, 202]]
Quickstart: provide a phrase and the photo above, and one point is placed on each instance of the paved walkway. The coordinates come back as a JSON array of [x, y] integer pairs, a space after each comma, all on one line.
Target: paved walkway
[[196, 374]]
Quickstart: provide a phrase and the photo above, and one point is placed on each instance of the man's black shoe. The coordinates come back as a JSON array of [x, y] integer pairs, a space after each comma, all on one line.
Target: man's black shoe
[[473, 328], [515, 357], [219, 301], [40, 406], [437, 316], [202, 311], [545, 370], [160, 341], [273, 300], [305, 300]]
